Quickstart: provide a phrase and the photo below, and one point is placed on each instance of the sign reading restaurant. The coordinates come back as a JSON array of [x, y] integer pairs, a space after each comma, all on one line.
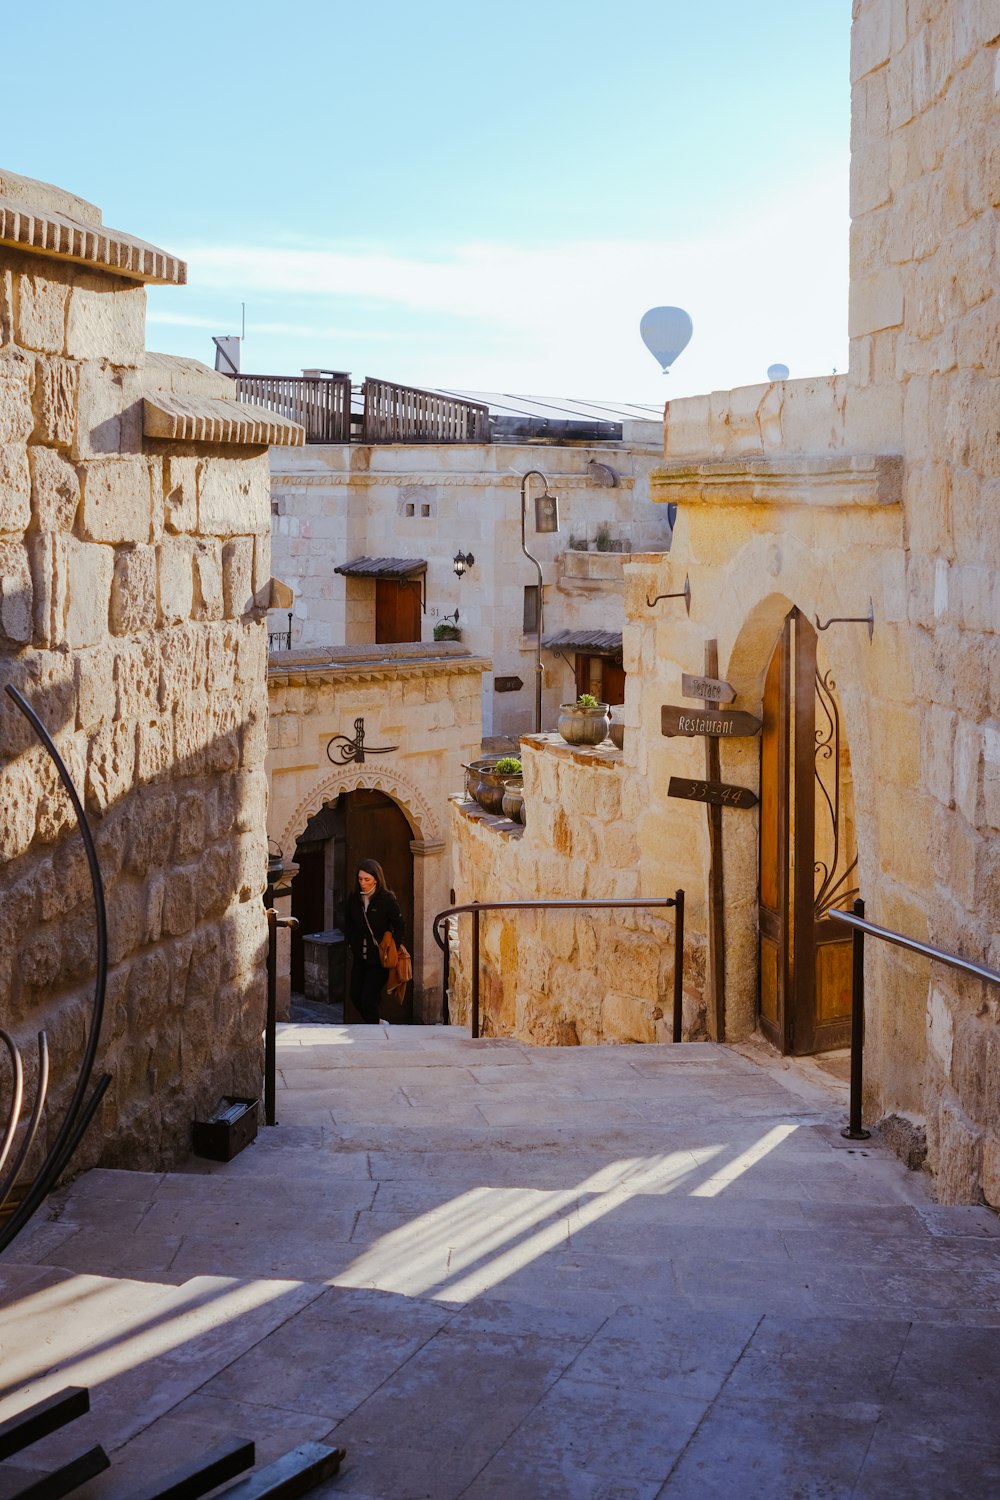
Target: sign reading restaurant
[[726, 724]]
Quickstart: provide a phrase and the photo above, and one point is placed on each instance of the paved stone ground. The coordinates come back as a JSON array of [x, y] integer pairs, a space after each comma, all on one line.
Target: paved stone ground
[[492, 1270]]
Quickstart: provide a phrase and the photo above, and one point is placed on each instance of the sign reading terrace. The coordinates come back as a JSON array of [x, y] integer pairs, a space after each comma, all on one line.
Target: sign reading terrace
[[715, 792], [691, 722], [712, 688]]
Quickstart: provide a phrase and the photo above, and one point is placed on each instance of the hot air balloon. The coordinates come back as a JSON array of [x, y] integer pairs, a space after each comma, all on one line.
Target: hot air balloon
[[777, 372], [665, 331]]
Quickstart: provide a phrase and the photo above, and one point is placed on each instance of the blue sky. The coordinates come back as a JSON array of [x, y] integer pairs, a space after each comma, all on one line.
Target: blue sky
[[462, 194]]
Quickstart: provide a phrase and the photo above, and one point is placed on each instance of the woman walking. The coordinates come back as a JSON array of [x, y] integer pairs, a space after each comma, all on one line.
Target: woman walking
[[372, 911]]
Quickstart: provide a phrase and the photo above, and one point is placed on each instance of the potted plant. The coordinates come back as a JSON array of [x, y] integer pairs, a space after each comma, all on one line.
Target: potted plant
[[585, 722], [509, 770], [444, 630]]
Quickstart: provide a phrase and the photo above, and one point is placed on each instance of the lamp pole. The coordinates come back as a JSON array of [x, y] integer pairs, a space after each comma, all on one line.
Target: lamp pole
[[552, 510]]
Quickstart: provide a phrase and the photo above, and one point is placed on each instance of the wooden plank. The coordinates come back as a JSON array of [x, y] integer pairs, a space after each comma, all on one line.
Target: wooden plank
[[720, 724], [718, 793], [716, 884], [197, 1476], [44, 1417], [293, 1475], [711, 689], [67, 1479]]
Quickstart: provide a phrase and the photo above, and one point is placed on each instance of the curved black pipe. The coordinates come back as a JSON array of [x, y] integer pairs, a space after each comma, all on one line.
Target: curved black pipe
[[69, 1135]]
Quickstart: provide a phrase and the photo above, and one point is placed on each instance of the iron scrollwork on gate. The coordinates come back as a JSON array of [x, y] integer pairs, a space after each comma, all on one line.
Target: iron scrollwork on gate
[[833, 890], [354, 750]]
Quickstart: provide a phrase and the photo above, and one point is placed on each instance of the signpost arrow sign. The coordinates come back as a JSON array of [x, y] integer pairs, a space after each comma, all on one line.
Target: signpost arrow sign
[[715, 792], [691, 722], [712, 688]]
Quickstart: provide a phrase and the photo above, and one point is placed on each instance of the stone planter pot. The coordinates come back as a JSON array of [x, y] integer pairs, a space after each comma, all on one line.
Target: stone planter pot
[[474, 772], [583, 726], [617, 730], [513, 799]]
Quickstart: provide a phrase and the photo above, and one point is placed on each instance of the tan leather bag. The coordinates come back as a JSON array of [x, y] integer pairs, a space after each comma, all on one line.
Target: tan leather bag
[[400, 975]]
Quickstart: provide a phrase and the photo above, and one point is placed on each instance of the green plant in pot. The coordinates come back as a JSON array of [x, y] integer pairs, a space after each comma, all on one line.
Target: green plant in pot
[[488, 787], [444, 630], [585, 722], [509, 769]]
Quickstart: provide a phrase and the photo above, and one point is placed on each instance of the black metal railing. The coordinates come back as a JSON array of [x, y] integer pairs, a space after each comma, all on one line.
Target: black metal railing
[[280, 640], [78, 1114], [856, 920], [476, 908]]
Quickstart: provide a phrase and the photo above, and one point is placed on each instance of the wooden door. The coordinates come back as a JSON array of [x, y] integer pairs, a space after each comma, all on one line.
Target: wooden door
[[397, 610], [376, 828], [807, 864], [307, 906]]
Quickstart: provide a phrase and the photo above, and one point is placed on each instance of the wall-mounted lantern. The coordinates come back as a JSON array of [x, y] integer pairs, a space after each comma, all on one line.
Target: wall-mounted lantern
[[462, 563]]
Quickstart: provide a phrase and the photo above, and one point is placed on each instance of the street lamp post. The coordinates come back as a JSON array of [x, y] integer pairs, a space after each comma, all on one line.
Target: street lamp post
[[546, 520]]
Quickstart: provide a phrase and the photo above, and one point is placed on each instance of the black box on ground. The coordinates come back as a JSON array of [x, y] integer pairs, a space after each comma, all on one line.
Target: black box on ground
[[232, 1126]]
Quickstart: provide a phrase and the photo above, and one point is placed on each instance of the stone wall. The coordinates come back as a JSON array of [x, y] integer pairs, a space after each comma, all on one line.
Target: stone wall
[[925, 374], [884, 486], [334, 503], [569, 977], [135, 571], [424, 702]]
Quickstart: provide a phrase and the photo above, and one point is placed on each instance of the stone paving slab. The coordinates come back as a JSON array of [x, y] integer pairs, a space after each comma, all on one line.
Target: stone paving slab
[[639, 1273]]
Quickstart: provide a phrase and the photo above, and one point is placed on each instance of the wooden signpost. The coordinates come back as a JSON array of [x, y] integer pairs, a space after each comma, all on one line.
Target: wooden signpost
[[717, 793], [717, 723], [711, 689]]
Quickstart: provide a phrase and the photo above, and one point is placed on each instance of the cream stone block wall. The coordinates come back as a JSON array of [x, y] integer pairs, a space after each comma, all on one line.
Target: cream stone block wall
[[424, 701], [334, 503], [880, 485], [152, 681], [570, 977]]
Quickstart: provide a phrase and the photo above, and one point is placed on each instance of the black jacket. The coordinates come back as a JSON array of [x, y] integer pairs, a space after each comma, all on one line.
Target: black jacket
[[384, 916]]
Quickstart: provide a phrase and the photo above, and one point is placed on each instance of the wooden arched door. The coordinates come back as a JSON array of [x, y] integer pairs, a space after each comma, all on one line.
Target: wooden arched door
[[808, 861]]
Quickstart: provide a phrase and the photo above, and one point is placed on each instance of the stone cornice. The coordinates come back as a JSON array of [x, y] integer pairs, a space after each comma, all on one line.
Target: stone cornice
[[425, 479], [301, 674], [216, 419], [873, 480], [42, 230]]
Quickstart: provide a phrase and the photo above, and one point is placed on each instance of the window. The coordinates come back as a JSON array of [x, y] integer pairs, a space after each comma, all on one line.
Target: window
[[530, 623]]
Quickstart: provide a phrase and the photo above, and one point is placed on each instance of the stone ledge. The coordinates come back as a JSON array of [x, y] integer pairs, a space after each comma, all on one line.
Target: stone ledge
[[606, 756], [30, 221], [476, 814], [324, 666], [216, 419], [874, 480]]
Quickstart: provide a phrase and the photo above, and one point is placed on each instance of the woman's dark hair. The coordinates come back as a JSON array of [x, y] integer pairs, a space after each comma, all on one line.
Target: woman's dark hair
[[372, 867]]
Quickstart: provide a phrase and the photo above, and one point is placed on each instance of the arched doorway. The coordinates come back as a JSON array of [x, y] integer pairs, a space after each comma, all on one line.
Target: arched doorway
[[360, 824], [808, 849]]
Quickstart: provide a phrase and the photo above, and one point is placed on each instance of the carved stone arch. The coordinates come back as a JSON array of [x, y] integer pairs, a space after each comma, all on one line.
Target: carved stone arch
[[404, 792]]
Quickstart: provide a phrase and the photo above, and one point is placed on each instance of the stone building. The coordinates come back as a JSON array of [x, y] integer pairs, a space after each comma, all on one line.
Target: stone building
[[347, 514], [135, 558], [366, 534], [413, 711], [841, 542]]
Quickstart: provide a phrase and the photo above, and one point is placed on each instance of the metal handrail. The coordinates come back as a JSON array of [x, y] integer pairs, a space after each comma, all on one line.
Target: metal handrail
[[477, 907], [856, 920], [78, 1115]]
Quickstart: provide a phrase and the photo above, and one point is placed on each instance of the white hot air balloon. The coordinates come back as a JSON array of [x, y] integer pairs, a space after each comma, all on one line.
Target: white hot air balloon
[[777, 372], [665, 331]]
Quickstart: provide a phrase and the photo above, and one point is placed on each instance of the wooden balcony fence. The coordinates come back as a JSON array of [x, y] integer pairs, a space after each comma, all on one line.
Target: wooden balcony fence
[[321, 404], [402, 414], [390, 413]]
